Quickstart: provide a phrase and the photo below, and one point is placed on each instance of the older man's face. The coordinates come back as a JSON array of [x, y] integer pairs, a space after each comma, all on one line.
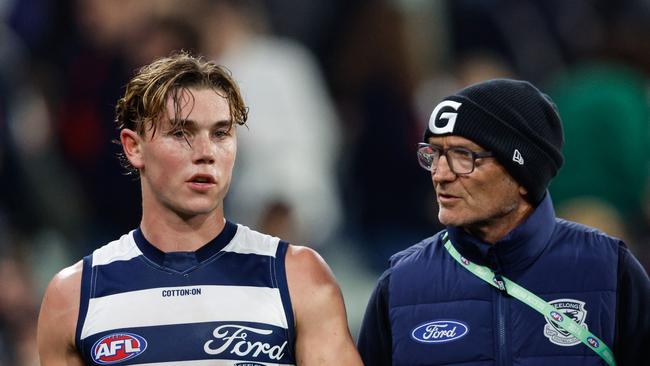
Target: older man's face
[[482, 198]]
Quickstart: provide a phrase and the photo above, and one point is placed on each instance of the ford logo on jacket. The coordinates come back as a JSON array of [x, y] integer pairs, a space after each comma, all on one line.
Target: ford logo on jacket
[[439, 331]]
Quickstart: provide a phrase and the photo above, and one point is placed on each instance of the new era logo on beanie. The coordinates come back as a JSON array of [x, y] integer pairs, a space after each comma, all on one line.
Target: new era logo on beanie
[[515, 121]]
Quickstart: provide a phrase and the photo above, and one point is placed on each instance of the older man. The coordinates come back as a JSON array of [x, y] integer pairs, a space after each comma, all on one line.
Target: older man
[[506, 282]]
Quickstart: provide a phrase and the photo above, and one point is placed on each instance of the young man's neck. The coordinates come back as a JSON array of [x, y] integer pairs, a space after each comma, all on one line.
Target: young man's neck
[[170, 232], [496, 229]]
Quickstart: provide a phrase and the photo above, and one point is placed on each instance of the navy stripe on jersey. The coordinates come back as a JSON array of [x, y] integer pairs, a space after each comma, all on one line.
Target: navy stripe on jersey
[[281, 276], [233, 269], [242, 341], [168, 259], [84, 297]]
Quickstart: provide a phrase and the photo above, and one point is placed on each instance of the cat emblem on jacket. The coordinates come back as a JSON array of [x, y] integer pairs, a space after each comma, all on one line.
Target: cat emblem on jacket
[[575, 310]]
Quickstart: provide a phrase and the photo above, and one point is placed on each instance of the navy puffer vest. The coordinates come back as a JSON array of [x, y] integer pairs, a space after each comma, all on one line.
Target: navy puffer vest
[[441, 314]]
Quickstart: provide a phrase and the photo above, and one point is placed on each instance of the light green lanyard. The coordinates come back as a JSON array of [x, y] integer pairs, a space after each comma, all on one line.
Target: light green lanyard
[[534, 302]]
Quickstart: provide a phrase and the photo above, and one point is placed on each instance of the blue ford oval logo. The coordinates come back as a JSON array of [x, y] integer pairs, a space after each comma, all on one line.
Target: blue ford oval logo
[[439, 331]]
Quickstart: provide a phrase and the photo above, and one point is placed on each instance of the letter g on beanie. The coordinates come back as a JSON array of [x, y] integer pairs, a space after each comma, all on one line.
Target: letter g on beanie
[[515, 121]]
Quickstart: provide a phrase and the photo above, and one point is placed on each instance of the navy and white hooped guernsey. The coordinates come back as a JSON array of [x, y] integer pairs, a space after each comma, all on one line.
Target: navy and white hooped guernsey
[[225, 304]]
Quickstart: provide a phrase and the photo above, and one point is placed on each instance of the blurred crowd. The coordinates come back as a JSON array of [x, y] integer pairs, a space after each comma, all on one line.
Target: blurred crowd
[[339, 92]]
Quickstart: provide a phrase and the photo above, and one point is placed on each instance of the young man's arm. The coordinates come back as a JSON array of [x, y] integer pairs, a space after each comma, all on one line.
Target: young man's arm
[[57, 320], [322, 333]]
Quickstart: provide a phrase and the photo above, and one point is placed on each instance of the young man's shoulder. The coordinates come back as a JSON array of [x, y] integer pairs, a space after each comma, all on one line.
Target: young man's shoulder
[[308, 266], [322, 332], [67, 280], [66, 284], [304, 266], [59, 311]]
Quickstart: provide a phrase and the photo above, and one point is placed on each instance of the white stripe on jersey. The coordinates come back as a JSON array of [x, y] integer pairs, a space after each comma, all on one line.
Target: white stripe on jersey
[[121, 249], [215, 303], [247, 241]]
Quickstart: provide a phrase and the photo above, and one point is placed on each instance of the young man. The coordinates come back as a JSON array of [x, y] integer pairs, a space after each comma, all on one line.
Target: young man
[[457, 297], [189, 287]]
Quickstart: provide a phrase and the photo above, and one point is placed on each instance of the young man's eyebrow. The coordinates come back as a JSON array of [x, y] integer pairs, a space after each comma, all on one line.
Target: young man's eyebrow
[[190, 123], [223, 122]]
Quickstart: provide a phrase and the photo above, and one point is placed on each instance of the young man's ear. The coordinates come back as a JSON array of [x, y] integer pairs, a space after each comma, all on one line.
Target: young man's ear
[[132, 146]]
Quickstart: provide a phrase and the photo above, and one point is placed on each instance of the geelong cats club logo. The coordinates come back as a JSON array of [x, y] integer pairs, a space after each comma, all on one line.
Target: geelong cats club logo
[[571, 308]]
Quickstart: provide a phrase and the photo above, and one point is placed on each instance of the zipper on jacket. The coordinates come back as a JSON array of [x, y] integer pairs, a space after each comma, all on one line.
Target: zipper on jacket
[[502, 358]]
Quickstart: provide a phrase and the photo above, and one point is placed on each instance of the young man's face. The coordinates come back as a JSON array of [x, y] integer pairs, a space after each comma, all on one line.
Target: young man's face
[[188, 170], [486, 195]]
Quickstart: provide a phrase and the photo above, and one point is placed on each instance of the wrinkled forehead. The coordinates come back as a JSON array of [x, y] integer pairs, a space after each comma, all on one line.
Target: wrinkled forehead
[[454, 141]]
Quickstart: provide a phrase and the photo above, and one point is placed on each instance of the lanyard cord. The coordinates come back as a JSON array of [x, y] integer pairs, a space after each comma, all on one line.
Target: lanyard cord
[[534, 301]]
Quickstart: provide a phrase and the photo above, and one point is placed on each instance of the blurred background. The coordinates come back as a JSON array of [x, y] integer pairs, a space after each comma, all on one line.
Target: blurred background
[[339, 92]]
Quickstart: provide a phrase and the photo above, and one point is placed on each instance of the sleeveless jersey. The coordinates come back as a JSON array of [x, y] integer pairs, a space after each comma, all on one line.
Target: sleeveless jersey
[[224, 304]]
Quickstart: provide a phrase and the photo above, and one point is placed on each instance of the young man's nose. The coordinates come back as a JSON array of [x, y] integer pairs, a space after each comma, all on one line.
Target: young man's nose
[[203, 149]]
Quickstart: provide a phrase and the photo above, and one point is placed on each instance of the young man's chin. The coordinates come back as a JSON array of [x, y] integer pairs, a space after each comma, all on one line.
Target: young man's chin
[[192, 209]]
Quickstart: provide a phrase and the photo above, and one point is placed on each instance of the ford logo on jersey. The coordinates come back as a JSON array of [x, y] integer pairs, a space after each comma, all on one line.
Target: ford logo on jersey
[[118, 347], [439, 331]]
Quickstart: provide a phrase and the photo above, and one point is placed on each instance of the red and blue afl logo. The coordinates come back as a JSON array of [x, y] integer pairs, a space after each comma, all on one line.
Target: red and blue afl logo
[[556, 316], [592, 342], [464, 260], [118, 347]]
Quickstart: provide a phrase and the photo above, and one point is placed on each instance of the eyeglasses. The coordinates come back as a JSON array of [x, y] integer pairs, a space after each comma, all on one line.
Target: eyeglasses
[[460, 159]]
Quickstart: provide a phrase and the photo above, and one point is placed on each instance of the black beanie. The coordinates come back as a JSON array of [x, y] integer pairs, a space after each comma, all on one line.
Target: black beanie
[[515, 121]]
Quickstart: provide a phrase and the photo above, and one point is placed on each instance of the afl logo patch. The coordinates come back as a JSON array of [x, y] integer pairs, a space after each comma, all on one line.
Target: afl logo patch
[[118, 347], [440, 331], [556, 316], [593, 342]]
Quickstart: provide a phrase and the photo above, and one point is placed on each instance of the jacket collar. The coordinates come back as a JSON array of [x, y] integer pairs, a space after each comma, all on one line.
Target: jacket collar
[[518, 249]]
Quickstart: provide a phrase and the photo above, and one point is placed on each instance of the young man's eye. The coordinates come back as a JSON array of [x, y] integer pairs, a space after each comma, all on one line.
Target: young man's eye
[[178, 133], [222, 133]]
